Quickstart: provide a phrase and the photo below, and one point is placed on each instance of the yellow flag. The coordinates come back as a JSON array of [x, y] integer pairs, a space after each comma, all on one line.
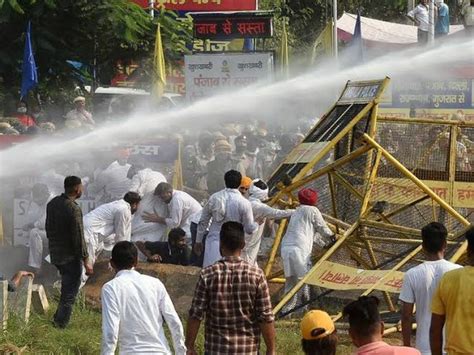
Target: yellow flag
[[284, 56], [159, 65], [323, 44]]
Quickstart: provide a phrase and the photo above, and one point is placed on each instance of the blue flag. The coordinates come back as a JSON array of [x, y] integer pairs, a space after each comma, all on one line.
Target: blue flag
[[248, 45], [357, 42], [29, 77]]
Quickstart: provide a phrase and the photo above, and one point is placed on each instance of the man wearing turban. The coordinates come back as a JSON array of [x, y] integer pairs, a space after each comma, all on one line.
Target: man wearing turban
[[306, 227]]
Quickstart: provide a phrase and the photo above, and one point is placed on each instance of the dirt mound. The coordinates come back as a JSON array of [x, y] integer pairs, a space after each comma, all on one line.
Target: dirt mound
[[179, 281]]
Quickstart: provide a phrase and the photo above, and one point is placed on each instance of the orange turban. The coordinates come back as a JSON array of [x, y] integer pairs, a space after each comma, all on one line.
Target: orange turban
[[246, 182]]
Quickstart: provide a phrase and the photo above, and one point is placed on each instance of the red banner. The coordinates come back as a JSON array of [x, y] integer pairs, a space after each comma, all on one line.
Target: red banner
[[203, 5], [8, 141]]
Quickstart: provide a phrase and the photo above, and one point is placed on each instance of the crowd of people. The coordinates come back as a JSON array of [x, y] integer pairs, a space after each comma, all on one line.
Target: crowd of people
[[232, 296], [420, 15], [217, 222], [35, 121]]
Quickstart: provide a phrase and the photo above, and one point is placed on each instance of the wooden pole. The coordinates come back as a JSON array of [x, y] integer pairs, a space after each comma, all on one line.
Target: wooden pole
[[332, 191], [452, 164], [276, 244], [3, 304], [416, 181], [426, 121]]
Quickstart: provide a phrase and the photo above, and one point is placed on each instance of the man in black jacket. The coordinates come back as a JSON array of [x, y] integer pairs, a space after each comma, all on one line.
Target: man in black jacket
[[67, 247]]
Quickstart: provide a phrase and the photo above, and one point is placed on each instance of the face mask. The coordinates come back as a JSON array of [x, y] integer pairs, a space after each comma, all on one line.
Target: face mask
[[21, 110]]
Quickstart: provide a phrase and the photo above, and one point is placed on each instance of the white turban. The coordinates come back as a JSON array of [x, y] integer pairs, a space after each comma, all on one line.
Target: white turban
[[256, 193]]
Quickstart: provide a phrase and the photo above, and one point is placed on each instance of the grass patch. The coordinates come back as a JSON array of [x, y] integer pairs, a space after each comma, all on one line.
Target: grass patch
[[83, 335]]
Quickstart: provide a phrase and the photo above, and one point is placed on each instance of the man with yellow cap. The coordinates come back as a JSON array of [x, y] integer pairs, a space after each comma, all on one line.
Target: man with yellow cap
[[318, 334]]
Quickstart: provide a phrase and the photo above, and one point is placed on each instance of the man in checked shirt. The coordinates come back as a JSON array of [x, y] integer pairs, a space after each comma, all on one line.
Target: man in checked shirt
[[234, 297]]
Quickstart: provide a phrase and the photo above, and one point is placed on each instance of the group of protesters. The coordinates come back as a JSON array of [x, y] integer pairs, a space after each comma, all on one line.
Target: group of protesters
[[35, 121], [232, 296], [217, 222]]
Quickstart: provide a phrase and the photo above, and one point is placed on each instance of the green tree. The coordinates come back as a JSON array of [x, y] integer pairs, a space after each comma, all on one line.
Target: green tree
[[97, 33]]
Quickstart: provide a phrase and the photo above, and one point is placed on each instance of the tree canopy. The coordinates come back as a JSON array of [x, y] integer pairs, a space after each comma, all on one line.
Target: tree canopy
[[96, 33]]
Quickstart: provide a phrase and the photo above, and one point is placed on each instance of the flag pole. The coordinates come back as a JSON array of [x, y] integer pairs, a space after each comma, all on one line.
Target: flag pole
[[151, 6], [334, 29], [432, 21]]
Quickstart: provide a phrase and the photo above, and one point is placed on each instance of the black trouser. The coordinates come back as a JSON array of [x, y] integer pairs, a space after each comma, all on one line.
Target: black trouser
[[70, 282]]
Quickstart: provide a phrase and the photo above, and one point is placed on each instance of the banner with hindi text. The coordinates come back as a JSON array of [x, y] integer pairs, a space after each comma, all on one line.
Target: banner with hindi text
[[210, 74], [340, 277]]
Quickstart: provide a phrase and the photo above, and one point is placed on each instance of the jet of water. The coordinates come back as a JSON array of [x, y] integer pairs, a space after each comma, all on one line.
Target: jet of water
[[277, 101]]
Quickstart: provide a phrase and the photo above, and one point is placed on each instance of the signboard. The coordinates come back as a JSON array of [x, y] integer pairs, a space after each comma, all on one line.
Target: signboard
[[175, 78], [202, 5], [229, 26], [207, 45], [25, 211], [159, 151], [435, 94], [400, 191], [208, 74], [340, 277], [360, 91]]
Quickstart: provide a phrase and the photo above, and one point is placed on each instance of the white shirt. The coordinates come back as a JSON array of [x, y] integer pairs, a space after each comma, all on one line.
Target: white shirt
[[467, 11], [143, 231], [113, 217], [306, 226], [133, 308], [421, 14], [146, 181], [82, 116], [114, 181], [261, 212], [182, 208], [223, 206], [40, 222], [419, 284]]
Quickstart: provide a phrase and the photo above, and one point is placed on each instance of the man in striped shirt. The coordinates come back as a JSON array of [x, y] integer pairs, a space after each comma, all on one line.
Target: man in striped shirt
[[234, 297]]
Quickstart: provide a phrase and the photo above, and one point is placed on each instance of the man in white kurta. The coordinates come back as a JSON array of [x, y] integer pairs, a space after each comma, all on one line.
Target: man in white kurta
[[144, 180], [182, 209], [109, 223], [258, 192], [306, 227], [113, 182], [145, 231], [133, 309], [223, 206]]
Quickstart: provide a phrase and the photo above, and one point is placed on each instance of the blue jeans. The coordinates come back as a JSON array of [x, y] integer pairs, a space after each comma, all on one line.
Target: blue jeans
[[70, 282]]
